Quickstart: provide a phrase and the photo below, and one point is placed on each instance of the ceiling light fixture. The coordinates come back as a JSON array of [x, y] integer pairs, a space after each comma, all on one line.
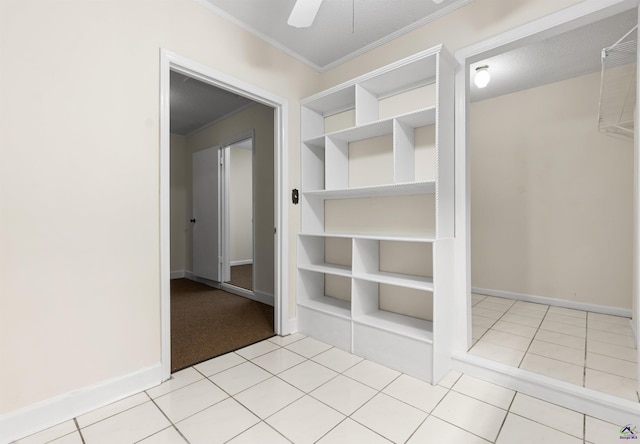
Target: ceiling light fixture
[[482, 77]]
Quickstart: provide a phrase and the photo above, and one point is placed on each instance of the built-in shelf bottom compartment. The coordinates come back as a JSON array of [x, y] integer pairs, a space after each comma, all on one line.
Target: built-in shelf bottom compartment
[[325, 327], [313, 294], [405, 354]]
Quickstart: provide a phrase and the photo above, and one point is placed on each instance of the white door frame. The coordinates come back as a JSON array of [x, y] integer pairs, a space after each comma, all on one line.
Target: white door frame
[[171, 61], [558, 392]]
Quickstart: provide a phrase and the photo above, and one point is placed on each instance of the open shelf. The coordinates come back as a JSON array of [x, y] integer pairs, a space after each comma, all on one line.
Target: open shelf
[[332, 101], [369, 131], [312, 295], [368, 309], [375, 190], [398, 279], [328, 305], [383, 237], [376, 237], [415, 119], [377, 214], [401, 263], [404, 75], [315, 255], [337, 270], [370, 157]]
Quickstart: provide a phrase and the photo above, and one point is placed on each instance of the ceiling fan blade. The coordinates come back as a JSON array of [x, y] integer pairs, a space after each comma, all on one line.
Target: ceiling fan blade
[[304, 13]]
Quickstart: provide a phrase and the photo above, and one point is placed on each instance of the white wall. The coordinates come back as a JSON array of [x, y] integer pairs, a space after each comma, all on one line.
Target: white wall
[[79, 179], [178, 195], [241, 203], [259, 118], [551, 198]]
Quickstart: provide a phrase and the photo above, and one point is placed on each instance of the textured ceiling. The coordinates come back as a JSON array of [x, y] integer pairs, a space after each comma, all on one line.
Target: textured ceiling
[[342, 29], [195, 104], [567, 55]]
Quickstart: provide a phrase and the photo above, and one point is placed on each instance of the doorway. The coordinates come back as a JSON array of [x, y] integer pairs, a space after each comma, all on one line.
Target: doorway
[[278, 223]]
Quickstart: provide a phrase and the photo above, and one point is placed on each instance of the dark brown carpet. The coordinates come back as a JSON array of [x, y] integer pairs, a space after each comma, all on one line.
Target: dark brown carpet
[[207, 322], [242, 276]]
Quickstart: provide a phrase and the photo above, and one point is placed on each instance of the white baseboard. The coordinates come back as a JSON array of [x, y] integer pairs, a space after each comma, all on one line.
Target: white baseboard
[[255, 295], [614, 311], [178, 274], [634, 330], [244, 262], [265, 298], [45, 414], [591, 402], [289, 327]]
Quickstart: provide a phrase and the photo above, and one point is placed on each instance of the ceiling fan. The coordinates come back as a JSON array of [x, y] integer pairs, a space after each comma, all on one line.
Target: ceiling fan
[[304, 12]]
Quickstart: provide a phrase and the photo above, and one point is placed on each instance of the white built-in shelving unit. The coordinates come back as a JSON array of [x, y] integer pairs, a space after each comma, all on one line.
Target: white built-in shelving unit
[[375, 255]]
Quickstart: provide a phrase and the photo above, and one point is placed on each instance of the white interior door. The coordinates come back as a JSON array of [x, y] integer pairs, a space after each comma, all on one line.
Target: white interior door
[[205, 219]]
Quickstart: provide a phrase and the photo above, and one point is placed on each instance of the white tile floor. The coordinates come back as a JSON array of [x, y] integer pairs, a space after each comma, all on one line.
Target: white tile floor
[[297, 389], [587, 349]]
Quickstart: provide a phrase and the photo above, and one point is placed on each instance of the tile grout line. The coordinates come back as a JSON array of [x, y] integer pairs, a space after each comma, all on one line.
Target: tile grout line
[[170, 422], [262, 421], [496, 330], [549, 426], [322, 402], [111, 415], [75, 421], [584, 365], [546, 312], [506, 416], [378, 392], [381, 392], [429, 414], [233, 397], [153, 400], [230, 396], [449, 390], [304, 393], [492, 325], [308, 393]]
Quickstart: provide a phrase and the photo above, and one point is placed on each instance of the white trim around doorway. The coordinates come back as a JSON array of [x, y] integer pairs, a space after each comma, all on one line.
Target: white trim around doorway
[[170, 61]]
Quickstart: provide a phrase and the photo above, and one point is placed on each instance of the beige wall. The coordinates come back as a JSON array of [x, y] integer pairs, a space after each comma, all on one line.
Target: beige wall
[[178, 194], [552, 199], [79, 179], [79, 168], [259, 118]]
